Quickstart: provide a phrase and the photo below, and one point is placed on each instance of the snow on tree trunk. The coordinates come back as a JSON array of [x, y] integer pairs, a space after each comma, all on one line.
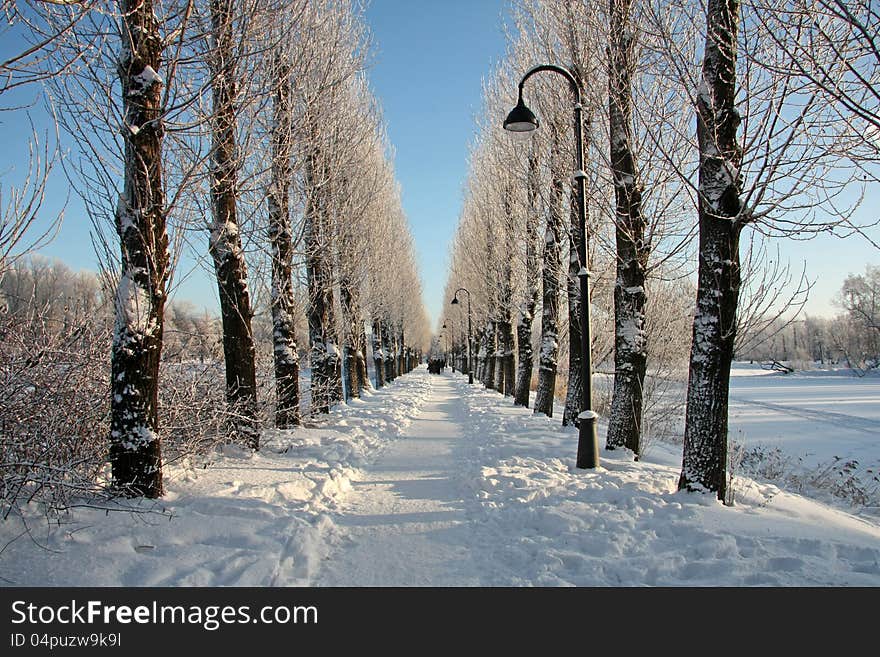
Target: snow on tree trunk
[[549, 354], [630, 342], [286, 358], [704, 462], [530, 302], [378, 354], [135, 450], [225, 242]]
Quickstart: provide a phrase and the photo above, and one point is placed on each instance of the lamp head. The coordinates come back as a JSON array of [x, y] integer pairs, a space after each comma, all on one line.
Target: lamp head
[[521, 119], [455, 300]]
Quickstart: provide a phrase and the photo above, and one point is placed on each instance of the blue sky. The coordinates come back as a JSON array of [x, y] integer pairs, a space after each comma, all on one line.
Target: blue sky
[[430, 59], [428, 62]]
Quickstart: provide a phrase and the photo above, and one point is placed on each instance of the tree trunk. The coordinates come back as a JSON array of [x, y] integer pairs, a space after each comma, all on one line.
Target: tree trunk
[[135, 448], [530, 302], [286, 358], [704, 462], [630, 339], [388, 348], [574, 393], [549, 354], [491, 354], [350, 320], [506, 347], [480, 342], [225, 245], [498, 365], [363, 380], [316, 310], [378, 354]]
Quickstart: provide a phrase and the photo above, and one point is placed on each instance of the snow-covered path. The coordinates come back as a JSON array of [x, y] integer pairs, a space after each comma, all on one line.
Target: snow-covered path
[[406, 519], [430, 481]]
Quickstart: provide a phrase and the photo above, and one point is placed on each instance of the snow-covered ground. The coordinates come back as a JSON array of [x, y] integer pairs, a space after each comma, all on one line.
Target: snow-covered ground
[[818, 413], [433, 482]]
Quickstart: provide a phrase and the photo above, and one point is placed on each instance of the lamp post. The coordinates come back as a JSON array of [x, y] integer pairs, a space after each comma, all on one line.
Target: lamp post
[[522, 120], [470, 334], [462, 342]]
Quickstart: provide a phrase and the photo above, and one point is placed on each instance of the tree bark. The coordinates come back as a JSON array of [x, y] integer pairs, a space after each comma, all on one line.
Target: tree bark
[[135, 448], [704, 461], [630, 339], [286, 358], [225, 244], [552, 265]]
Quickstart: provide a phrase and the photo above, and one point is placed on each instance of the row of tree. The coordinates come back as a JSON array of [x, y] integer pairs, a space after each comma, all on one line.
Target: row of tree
[[244, 131], [784, 97]]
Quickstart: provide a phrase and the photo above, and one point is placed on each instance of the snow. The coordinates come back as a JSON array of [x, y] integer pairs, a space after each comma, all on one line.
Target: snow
[[148, 77], [132, 307], [703, 93], [432, 482]]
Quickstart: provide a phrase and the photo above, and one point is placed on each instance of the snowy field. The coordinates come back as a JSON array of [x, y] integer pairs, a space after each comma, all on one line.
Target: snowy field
[[816, 414], [430, 482]]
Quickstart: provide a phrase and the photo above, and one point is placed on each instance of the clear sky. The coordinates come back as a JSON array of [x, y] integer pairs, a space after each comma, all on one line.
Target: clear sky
[[430, 59], [428, 62]]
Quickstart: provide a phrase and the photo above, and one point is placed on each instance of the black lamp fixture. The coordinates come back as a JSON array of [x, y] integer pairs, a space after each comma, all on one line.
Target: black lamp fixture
[[521, 118]]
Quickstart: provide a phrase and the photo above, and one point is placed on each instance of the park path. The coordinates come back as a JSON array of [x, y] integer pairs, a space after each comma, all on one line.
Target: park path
[[405, 522]]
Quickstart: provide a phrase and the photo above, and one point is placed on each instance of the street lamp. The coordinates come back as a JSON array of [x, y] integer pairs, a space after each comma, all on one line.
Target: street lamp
[[470, 335], [522, 120]]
